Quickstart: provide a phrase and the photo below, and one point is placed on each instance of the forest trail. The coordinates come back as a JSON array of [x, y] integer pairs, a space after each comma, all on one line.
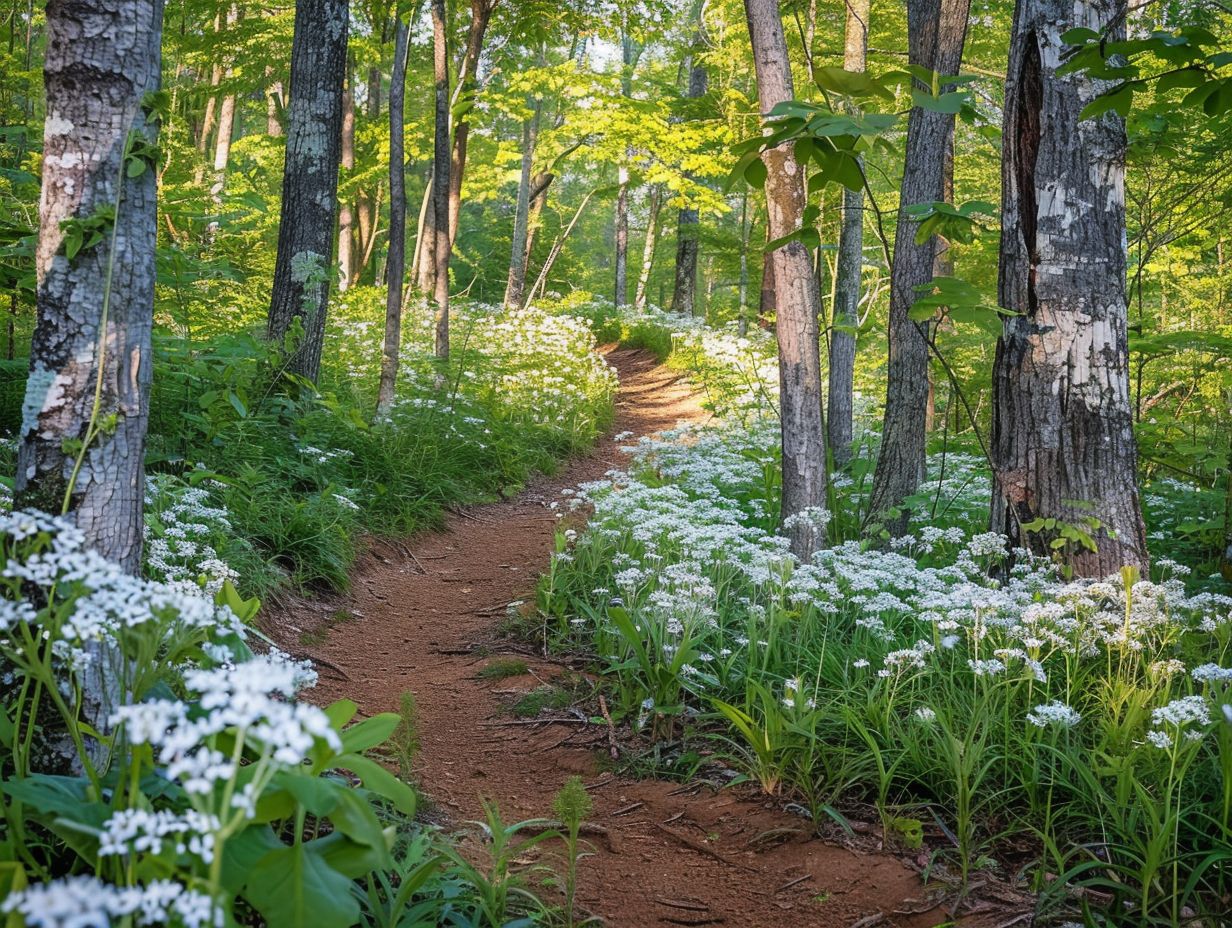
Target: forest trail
[[425, 618]]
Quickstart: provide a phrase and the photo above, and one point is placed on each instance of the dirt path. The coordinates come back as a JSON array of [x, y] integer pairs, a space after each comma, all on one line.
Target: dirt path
[[676, 856]]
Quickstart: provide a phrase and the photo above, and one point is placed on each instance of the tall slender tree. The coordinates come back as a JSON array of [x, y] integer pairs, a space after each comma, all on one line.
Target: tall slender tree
[[654, 203], [936, 32], [467, 89], [346, 214], [440, 179], [798, 299], [310, 180], [849, 270], [1063, 445], [395, 268], [684, 291], [516, 285]]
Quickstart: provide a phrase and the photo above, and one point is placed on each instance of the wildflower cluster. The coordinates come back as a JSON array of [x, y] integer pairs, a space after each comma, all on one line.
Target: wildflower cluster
[[150, 689], [935, 628]]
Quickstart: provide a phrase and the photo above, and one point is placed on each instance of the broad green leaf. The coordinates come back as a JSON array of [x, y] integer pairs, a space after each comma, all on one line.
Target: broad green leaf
[[293, 887]]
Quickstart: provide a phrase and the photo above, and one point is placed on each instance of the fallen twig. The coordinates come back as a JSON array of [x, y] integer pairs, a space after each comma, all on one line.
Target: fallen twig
[[681, 904], [790, 883], [702, 848]]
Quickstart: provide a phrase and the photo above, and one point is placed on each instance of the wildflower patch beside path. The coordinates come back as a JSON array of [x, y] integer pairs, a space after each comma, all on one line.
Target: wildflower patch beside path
[[426, 618]]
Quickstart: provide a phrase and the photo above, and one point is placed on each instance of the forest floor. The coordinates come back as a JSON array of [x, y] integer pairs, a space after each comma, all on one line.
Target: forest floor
[[427, 616]]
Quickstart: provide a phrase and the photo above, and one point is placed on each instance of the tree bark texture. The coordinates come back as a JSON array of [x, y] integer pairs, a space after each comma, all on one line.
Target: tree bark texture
[[86, 408], [653, 205], [1063, 445], [395, 269], [310, 180], [798, 299], [936, 32], [95, 311], [440, 180], [621, 284], [849, 271], [684, 291]]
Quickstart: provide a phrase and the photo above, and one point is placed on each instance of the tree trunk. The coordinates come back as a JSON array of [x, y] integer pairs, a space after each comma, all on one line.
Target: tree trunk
[[440, 180], [368, 202], [621, 284], [310, 180], [540, 184], [346, 217], [273, 108], [936, 32], [1063, 445], [849, 270], [210, 117], [648, 247], [742, 318], [396, 265], [558, 246], [86, 408], [481, 15], [226, 123], [516, 284], [799, 302], [684, 293]]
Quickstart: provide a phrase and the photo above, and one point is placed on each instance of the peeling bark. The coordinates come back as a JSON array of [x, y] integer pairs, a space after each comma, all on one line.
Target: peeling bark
[[1063, 445], [310, 180], [95, 312], [798, 304]]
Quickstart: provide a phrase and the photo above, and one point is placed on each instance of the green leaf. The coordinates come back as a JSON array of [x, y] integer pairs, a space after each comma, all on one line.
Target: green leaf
[[755, 174], [1118, 100], [293, 887], [380, 782], [369, 733], [241, 853]]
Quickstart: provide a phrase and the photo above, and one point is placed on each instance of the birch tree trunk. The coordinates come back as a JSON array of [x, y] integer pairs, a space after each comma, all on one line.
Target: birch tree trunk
[[86, 407], [310, 180], [1063, 445], [440, 180], [648, 247], [936, 31], [848, 272], [515, 286], [684, 291], [395, 269], [346, 216], [798, 300]]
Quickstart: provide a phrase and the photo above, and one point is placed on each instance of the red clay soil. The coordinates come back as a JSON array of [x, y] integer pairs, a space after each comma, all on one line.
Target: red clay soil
[[425, 618]]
